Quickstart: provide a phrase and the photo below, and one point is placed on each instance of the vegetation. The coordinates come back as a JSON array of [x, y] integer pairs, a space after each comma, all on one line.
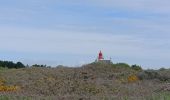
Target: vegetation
[[36, 65], [95, 81], [10, 64], [133, 78], [136, 67]]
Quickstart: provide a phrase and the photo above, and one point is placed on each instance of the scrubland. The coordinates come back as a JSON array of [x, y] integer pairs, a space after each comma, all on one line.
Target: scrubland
[[95, 81]]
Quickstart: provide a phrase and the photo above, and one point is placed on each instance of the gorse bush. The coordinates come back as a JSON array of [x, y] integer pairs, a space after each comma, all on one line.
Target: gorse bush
[[133, 78], [5, 88], [8, 88]]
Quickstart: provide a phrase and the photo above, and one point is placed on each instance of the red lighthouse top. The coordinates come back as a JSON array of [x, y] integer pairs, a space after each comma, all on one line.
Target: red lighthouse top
[[100, 57]]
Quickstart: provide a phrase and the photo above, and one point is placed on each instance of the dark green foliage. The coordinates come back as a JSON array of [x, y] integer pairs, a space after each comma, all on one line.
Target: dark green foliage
[[36, 65], [10, 64], [162, 69], [136, 67], [19, 65]]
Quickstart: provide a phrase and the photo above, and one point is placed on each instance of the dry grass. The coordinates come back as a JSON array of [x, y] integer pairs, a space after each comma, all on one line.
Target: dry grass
[[90, 82]]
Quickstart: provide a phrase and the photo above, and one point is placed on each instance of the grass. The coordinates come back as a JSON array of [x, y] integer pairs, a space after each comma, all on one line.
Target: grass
[[89, 82]]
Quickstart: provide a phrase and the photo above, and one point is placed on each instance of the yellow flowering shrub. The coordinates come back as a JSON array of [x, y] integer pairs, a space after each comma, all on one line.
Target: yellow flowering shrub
[[133, 78], [8, 88], [4, 88]]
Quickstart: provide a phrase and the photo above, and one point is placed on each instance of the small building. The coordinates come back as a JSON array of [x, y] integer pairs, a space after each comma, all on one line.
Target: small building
[[101, 59]]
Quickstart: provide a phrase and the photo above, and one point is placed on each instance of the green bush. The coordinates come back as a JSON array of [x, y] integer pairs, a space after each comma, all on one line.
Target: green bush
[[148, 74], [136, 67], [122, 65], [152, 74], [162, 69], [164, 74]]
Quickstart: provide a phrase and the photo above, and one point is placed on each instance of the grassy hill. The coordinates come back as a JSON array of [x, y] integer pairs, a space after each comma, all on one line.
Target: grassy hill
[[95, 81]]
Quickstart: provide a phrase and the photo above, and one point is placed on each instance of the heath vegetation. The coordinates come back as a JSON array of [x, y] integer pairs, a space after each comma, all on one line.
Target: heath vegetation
[[95, 81]]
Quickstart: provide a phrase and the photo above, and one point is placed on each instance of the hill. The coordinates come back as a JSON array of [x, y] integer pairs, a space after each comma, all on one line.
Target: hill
[[95, 81]]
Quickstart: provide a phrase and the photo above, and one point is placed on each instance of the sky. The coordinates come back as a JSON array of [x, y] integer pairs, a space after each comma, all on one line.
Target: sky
[[72, 32]]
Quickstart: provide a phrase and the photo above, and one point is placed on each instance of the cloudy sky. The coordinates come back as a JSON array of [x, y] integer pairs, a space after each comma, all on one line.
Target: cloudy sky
[[72, 32]]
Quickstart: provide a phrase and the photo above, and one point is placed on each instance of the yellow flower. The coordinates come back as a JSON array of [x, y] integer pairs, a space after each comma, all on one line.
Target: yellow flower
[[133, 78]]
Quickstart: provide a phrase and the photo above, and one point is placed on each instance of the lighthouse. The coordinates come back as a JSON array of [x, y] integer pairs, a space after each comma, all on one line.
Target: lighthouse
[[101, 58]]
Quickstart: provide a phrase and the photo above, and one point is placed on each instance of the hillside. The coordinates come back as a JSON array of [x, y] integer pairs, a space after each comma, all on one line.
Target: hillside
[[94, 81]]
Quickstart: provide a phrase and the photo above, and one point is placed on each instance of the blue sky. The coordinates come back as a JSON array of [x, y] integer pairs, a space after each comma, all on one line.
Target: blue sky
[[72, 32]]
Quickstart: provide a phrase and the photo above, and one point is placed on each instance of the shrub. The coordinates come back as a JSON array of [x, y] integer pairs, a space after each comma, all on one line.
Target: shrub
[[149, 74], [8, 88], [162, 69], [133, 78], [122, 65], [164, 75], [164, 78], [136, 67], [4, 88]]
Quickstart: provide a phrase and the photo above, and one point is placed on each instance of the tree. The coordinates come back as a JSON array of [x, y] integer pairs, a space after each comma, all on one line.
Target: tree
[[10, 64], [19, 65]]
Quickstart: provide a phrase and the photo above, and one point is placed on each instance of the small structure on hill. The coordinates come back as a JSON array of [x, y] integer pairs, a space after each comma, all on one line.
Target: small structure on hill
[[102, 60]]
